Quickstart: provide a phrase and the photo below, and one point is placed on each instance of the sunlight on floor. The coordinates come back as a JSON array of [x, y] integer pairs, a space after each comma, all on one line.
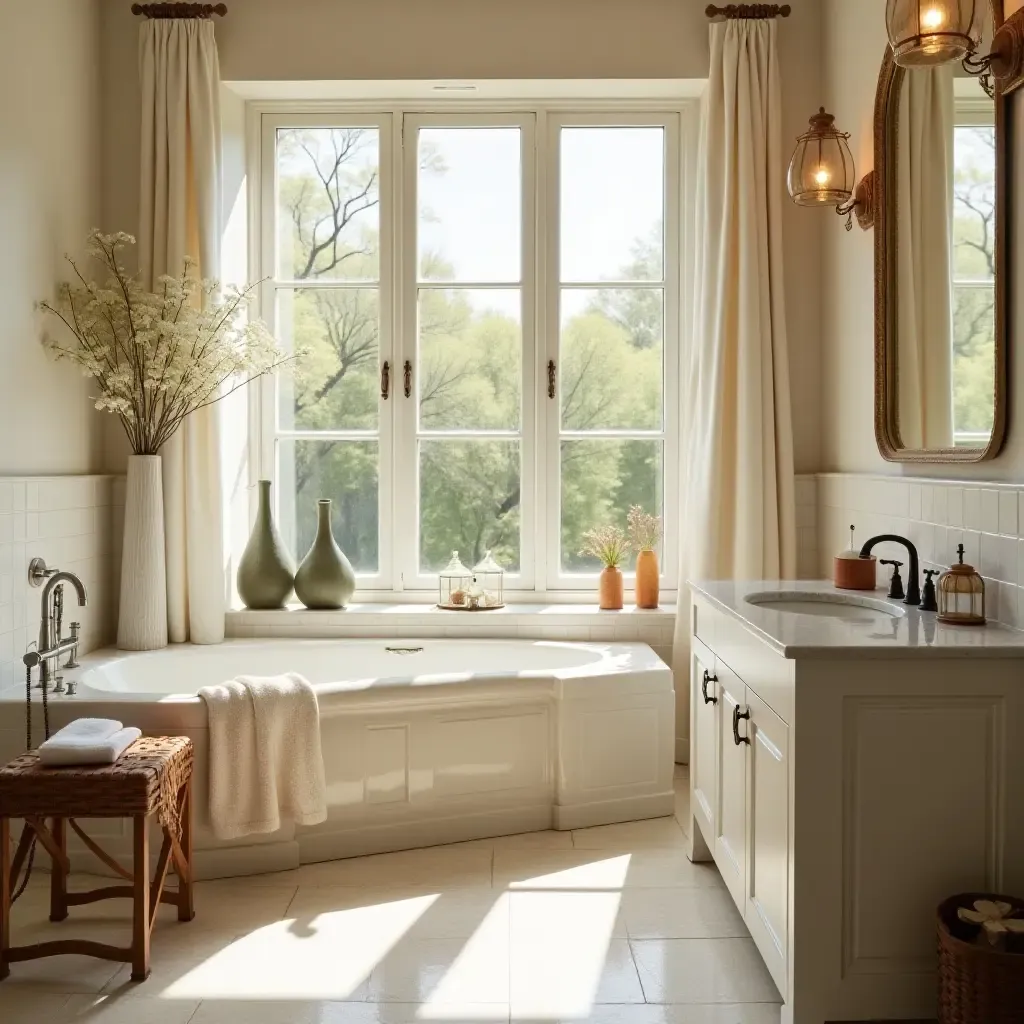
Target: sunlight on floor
[[612, 925]]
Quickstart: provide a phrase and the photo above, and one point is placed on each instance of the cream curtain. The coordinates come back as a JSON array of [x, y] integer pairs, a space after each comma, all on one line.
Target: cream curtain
[[180, 216], [739, 519], [924, 167]]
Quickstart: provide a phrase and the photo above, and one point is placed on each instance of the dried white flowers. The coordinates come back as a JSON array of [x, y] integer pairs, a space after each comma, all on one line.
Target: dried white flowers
[[157, 356]]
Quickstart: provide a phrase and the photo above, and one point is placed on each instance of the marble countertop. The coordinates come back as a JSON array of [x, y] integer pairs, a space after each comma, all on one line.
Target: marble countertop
[[889, 629]]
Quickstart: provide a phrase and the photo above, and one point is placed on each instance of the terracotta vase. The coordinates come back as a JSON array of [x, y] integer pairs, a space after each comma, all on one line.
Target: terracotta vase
[[611, 589], [647, 579]]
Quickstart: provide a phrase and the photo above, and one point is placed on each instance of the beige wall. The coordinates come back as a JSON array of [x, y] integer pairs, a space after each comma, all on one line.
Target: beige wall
[[49, 199], [459, 39], [854, 45]]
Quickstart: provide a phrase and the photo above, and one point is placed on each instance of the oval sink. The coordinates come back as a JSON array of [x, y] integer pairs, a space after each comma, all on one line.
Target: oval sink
[[853, 608]]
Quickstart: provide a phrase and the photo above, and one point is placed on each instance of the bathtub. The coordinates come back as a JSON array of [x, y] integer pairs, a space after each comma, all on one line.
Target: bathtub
[[424, 741]]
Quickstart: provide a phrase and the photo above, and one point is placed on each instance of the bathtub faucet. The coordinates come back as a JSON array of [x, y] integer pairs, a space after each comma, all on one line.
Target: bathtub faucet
[[51, 644]]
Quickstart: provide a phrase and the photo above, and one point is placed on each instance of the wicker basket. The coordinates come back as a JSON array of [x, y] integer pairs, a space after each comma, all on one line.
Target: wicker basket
[[977, 984]]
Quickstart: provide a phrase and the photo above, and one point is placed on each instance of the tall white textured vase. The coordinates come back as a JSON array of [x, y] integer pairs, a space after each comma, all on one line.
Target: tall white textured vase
[[142, 619]]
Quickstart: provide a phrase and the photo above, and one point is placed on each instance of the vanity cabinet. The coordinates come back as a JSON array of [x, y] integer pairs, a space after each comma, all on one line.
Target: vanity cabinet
[[739, 769], [766, 895], [732, 812], [703, 737], [904, 786]]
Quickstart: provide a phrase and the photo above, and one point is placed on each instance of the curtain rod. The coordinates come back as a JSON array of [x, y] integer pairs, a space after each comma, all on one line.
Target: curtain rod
[[749, 11], [180, 10]]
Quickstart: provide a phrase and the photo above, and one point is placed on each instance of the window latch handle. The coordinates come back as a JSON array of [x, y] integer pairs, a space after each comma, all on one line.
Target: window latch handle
[[385, 380], [551, 378], [407, 377]]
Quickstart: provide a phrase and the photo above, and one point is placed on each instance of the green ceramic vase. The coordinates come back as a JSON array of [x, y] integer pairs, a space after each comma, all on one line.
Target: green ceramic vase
[[266, 572], [326, 579]]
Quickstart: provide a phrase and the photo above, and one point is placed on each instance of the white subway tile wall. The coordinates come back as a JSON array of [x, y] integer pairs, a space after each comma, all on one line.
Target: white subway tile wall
[[937, 515], [807, 527], [73, 523]]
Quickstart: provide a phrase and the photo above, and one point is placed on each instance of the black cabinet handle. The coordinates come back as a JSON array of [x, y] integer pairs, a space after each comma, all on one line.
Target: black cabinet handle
[[708, 678], [407, 378], [737, 715], [551, 378], [385, 380]]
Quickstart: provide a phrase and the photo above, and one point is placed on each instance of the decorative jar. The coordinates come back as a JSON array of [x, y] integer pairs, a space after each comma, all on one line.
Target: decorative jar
[[961, 595], [490, 578], [455, 582]]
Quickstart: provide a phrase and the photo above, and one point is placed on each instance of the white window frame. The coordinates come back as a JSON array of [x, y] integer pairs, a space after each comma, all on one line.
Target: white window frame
[[541, 577], [407, 454], [669, 434], [267, 412], [970, 110]]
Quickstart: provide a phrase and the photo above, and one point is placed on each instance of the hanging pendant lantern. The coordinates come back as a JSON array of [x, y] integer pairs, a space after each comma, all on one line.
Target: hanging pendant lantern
[[927, 33]]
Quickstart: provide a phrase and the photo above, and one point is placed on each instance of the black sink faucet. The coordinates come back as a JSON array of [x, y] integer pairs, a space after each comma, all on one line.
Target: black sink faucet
[[913, 581]]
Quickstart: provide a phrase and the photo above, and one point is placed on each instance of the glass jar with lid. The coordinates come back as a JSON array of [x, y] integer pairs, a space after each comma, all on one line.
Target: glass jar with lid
[[455, 584], [961, 595], [491, 579]]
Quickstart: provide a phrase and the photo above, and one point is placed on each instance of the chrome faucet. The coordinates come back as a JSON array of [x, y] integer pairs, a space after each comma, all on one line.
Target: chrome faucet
[[51, 644], [913, 579]]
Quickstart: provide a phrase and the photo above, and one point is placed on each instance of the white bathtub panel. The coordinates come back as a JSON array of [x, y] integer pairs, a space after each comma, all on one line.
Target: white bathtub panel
[[386, 756], [491, 754], [631, 761]]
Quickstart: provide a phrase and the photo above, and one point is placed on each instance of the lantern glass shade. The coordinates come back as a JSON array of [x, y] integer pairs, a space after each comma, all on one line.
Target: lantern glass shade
[[926, 33], [822, 172]]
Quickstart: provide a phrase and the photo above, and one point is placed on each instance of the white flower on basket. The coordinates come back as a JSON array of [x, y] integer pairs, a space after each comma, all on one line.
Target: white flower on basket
[[995, 917], [157, 356]]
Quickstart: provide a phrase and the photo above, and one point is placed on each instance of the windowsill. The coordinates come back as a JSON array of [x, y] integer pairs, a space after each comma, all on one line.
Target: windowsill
[[518, 618]]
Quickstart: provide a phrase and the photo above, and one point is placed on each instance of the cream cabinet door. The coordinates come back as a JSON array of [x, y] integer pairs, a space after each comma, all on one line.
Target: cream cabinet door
[[731, 807], [703, 738], [767, 894]]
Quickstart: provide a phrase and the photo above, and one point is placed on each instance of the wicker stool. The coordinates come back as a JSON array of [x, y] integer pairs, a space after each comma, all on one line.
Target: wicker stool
[[152, 777]]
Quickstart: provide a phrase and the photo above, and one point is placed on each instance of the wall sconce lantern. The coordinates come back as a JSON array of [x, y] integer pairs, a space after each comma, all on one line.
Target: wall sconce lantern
[[822, 173], [927, 33]]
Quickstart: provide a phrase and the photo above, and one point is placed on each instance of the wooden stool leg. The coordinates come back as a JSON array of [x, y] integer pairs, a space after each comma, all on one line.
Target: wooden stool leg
[[5, 895], [58, 877], [140, 915], [186, 906]]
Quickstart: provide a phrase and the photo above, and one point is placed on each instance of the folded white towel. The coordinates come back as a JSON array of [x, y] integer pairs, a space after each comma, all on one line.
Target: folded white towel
[[65, 751], [89, 729], [265, 758]]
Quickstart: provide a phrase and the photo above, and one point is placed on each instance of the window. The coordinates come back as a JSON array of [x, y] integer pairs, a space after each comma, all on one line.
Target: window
[[974, 277], [483, 309]]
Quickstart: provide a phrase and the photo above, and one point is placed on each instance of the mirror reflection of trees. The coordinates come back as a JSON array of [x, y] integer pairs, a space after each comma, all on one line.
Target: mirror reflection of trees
[[974, 274], [469, 375]]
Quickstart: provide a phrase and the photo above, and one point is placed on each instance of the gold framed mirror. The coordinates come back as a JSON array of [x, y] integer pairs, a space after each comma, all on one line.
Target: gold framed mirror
[[941, 201]]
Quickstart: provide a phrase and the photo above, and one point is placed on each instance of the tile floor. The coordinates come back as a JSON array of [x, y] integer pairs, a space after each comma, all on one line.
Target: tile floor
[[612, 925]]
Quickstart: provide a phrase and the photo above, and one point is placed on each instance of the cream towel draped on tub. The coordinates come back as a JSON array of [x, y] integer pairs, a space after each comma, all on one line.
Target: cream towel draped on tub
[[265, 760]]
